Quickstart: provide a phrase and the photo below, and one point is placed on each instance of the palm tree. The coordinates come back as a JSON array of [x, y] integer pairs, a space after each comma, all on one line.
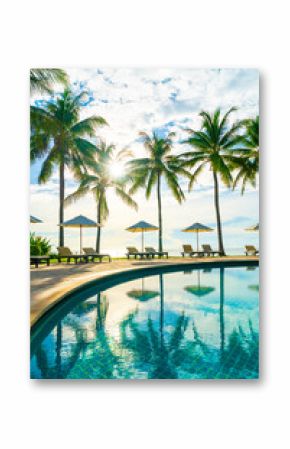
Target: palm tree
[[248, 167], [43, 80], [99, 180], [59, 136], [215, 146], [148, 172]]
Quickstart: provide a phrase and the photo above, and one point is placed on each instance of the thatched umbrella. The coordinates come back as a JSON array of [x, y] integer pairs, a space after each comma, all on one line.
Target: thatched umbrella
[[253, 228], [142, 226], [80, 222], [197, 227], [35, 220]]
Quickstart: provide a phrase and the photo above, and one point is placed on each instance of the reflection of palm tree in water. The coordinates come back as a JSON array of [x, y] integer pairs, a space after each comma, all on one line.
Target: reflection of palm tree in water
[[61, 369], [159, 351], [222, 323], [240, 358], [102, 309], [100, 358], [149, 346], [170, 357]]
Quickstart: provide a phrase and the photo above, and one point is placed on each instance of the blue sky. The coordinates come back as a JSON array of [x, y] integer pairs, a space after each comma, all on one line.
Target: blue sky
[[163, 99]]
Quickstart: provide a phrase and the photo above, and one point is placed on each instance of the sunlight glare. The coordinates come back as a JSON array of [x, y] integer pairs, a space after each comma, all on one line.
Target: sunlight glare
[[117, 169]]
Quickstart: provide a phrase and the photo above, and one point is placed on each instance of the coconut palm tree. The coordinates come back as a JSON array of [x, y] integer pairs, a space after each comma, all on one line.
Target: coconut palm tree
[[147, 172], [217, 146], [100, 179], [43, 80], [248, 166], [61, 138]]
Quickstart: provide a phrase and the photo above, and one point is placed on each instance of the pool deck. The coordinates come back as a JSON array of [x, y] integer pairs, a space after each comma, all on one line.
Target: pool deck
[[50, 284]]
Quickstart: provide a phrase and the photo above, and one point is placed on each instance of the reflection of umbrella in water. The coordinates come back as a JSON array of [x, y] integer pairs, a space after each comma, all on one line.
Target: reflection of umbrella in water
[[80, 222], [142, 294], [251, 268], [254, 287], [197, 227], [199, 290], [142, 226]]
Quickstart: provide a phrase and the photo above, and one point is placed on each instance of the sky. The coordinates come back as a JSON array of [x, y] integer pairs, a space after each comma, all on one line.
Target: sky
[[161, 99]]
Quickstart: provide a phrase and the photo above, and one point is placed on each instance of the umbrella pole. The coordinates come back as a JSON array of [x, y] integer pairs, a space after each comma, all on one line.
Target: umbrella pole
[[81, 238], [197, 241], [142, 241]]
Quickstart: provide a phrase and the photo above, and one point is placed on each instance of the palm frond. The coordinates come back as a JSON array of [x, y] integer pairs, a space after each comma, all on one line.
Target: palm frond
[[88, 126], [43, 80], [126, 197]]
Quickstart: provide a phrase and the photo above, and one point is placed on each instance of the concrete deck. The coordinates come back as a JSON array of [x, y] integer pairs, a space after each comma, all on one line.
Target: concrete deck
[[50, 284]]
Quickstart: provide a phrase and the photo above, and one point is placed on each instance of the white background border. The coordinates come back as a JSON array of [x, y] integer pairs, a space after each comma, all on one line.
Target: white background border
[[162, 414]]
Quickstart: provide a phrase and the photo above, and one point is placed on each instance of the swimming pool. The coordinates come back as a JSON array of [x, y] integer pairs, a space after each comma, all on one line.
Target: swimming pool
[[196, 322]]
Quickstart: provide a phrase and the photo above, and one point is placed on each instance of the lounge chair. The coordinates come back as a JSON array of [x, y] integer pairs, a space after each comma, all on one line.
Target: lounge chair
[[65, 253], [251, 250], [208, 251], [132, 251], [36, 260], [187, 249], [152, 251], [91, 253]]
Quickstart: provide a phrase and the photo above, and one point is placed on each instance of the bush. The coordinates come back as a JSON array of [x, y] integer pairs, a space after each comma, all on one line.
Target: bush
[[39, 246]]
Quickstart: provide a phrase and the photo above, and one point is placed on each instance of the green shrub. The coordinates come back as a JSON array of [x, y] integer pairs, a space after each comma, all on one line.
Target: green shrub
[[39, 246]]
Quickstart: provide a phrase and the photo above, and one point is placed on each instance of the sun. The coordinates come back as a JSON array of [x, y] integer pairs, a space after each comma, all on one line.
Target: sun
[[117, 169]]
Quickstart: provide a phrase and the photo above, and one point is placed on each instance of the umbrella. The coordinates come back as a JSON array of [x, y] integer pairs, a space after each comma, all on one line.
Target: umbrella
[[142, 226], [253, 228], [80, 222], [35, 220], [197, 227], [199, 290]]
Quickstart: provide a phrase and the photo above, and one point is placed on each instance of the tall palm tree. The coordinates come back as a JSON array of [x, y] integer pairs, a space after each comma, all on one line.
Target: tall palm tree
[[248, 166], [160, 163], [216, 146], [99, 180], [43, 80], [59, 136]]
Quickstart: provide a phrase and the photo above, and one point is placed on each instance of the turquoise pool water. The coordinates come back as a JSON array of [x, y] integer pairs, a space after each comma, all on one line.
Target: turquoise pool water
[[191, 324]]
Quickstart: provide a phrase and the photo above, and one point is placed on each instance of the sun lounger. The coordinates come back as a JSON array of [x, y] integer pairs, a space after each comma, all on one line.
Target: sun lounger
[[152, 251], [251, 250], [132, 251], [187, 250], [36, 260], [91, 253], [208, 251], [65, 253]]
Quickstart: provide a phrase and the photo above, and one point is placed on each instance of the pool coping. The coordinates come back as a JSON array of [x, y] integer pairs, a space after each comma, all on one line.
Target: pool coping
[[101, 280]]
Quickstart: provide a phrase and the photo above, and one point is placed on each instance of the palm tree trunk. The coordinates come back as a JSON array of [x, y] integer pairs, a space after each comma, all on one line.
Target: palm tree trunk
[[61, 203], [98, 241], [160, 246], [218, 217]]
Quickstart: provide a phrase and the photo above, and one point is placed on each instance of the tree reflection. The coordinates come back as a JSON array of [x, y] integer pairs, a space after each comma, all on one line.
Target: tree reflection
[[241, 356], [181, 352], [101, 360], [83, 345], [158, 351], [62, 366]]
